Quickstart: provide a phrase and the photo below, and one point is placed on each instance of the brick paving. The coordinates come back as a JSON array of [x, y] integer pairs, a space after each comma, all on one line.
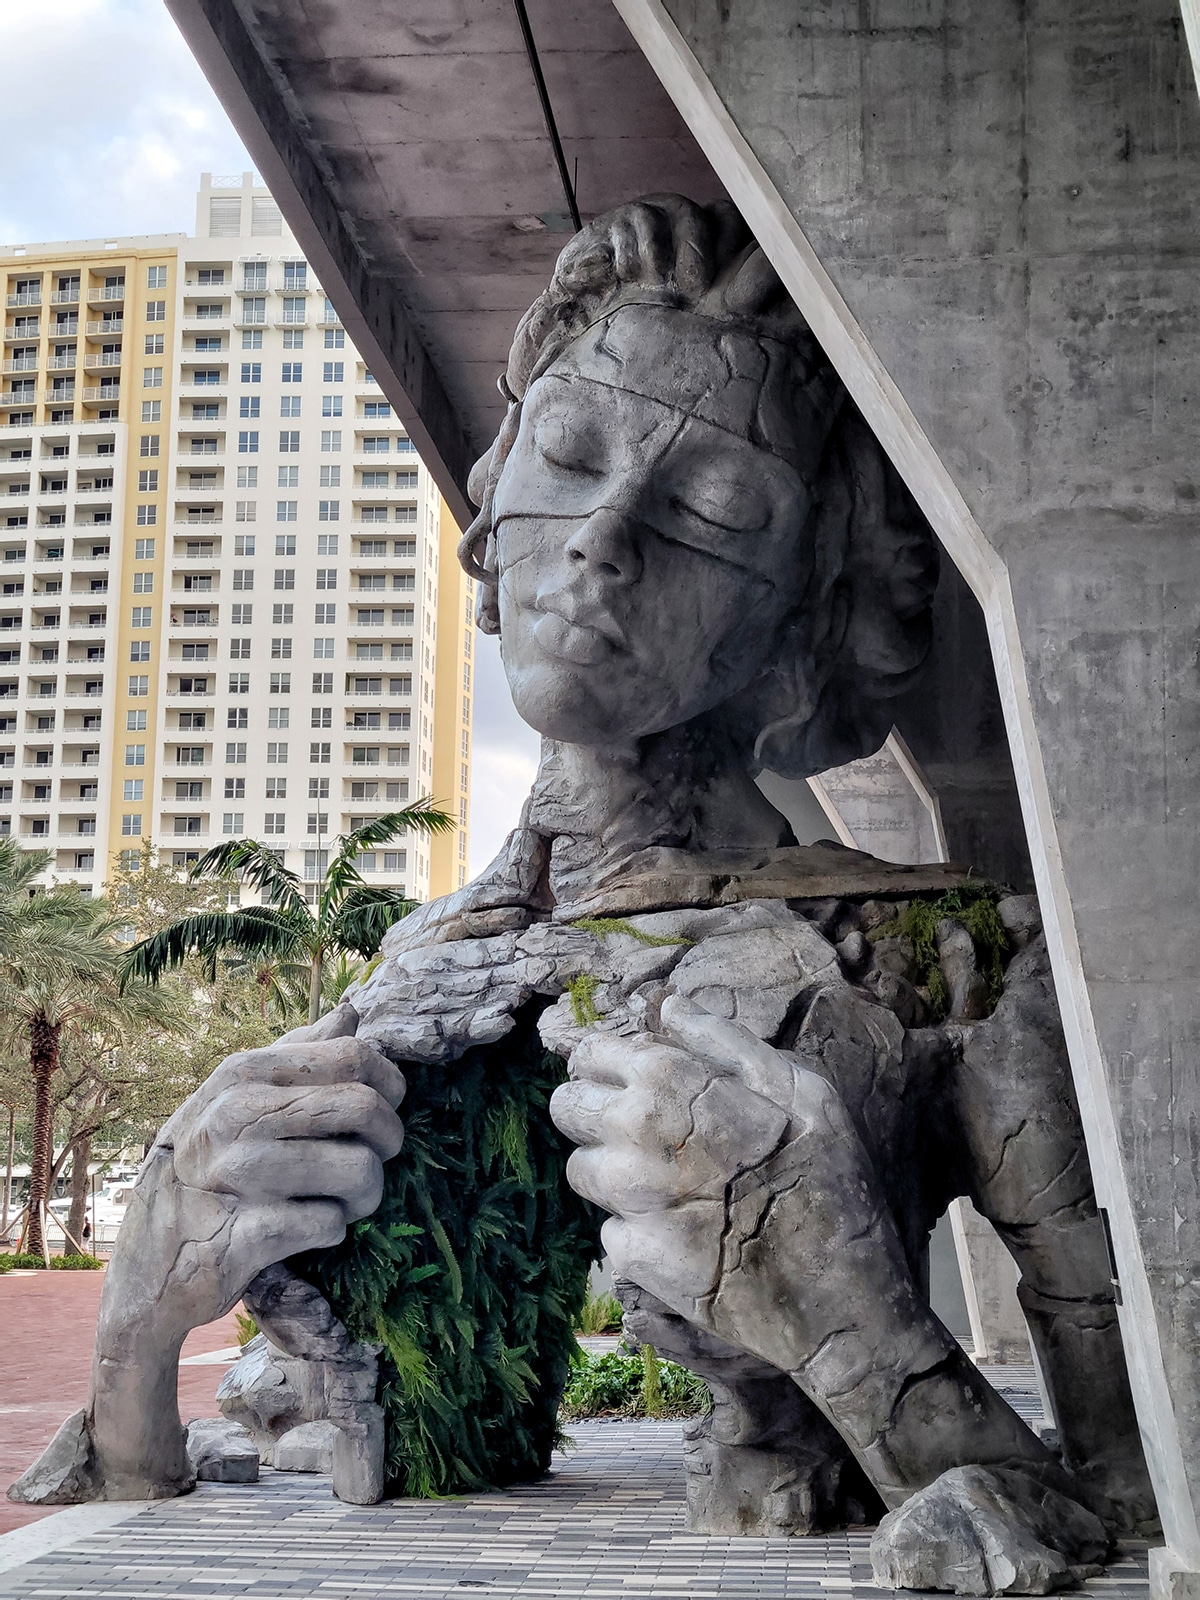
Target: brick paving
[[47, 1323], [607, 1523]]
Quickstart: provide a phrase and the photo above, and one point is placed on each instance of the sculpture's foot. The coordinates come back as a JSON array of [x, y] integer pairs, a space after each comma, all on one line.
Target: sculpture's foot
[[69, 1473], [769, 1490], [988, 1530]]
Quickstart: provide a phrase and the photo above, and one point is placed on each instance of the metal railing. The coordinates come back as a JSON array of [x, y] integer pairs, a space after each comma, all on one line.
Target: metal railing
[[65, 297], [26, 297], [106, 291], [21, 364], [110, 358], [99, 329]]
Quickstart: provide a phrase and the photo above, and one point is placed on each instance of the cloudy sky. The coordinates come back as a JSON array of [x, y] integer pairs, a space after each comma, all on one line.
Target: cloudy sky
[[108, 123]]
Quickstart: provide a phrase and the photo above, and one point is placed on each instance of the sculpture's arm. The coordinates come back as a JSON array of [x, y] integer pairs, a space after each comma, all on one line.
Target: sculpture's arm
[[278, 1152]]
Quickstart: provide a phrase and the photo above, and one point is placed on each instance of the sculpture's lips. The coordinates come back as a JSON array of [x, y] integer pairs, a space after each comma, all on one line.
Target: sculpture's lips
[[582, 646]]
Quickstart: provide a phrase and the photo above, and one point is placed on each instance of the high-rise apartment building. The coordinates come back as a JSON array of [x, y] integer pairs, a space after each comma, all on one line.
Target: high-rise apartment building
[[229, 604]]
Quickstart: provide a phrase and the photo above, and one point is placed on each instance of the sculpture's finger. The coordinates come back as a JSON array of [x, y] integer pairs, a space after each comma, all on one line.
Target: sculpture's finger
[[581, 1110], [605, 1058], [730, 1047], [265, 1234], [344, 1060], [272, 1171], [340, 1023], [319, 1111]]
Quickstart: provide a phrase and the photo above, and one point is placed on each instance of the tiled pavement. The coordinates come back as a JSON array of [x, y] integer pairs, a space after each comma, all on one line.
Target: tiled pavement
[[607, 1523]]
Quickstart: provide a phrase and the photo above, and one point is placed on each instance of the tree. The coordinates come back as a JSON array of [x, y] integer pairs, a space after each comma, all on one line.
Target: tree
[[61, 972], [350, 917]]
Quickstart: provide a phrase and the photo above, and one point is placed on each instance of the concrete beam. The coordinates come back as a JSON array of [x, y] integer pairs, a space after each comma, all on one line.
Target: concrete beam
[[1048, 451]]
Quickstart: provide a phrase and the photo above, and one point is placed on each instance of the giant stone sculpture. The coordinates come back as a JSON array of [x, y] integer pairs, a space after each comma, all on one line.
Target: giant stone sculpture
[[700, 565]]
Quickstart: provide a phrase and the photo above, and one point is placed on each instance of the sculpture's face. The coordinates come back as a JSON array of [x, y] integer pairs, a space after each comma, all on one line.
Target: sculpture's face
[[647, 550]]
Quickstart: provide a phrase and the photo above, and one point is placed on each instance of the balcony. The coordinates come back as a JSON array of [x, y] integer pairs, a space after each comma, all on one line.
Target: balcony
[[100, 294], [182, 520], [61, 395], [111, 358], [99, 330], [21, 364], [329, 320], [102, 396], [25, 397], [65, 297], [27, 297], [62, 363]]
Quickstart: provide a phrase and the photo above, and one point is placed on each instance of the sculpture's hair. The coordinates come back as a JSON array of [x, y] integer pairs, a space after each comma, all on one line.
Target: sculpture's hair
[[862, 630]]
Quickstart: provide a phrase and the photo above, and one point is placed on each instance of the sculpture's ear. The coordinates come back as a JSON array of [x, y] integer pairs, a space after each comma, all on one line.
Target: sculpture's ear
[[478, 478]]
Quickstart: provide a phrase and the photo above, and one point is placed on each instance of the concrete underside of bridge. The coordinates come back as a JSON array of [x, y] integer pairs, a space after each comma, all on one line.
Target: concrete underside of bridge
[[987, 212]]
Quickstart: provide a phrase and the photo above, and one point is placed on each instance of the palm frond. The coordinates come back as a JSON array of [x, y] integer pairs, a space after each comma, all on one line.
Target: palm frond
[[252, 931], [343, 876], [365, 915], [256, 864]]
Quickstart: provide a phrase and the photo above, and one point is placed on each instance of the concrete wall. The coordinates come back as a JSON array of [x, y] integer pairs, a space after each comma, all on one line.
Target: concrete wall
[[988, 213]]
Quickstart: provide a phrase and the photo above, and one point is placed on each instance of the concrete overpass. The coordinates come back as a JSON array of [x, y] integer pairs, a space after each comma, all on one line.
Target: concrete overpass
[[987, 211]]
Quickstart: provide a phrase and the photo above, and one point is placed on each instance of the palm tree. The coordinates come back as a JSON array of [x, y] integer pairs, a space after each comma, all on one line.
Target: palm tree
[[61, 971], [350, 917]]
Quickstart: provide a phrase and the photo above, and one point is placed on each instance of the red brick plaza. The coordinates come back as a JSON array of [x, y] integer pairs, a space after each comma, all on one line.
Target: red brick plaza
[[47, 1321]]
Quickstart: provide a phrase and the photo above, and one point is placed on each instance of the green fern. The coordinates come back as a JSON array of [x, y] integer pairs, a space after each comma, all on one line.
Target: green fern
[[974, 905], [604, 925], [473, 1272], [582, 993]]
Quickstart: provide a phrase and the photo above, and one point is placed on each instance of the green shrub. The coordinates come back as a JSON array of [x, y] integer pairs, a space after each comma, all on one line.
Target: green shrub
[[621, 1385], [247, 1328], [473, 1272], [601, 1313], [972, 904], [26, 1262]]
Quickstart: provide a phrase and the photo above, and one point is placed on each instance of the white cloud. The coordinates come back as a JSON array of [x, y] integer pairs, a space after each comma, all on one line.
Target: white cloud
[[107, 121]]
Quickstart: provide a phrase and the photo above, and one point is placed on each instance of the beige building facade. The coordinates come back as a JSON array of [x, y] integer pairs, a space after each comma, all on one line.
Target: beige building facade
[[229, 605]]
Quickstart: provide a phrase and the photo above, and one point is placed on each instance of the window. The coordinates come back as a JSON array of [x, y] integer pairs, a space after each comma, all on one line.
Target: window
[[293, 339], [254, 274], [322, 717], [243, 580], [147, 516], [151, 412], [139, 685], [277, 754], [193, 719], [375, 480], [331, 405], [235, 754], [293, 308], [333, 372], [323, 649], [281, 649], [244, 511], [189, 755], [376, 445], [395, 860], [275, 822], [247, 477], [133, 788], [237, 717], [141, 616], [143, 550], [233, 822], [135, 722], [252, 339], [318, 754], [193, 652], [207, 345], [285, 543], [276, 788], [318, 822], [331, 477], [235, 788], [326, 577], [156, 277], [318, 788], [289, 405], [365, 755], [374, 514], [153, 343], [289, 443], [239, 683], [239, 649], [322, 683], [331, 439], [328, 511], [335, 339], [135, 755], [254, 310], [293, 371], [281, 615], [139, 650], [241, 616], [148, 444], [285, 577], [143, 583], [252, 372], [203, 447], [376, 408], [248, 405], [152, 377], [248, 444], [295, 274], [131, 824], [279, 716]]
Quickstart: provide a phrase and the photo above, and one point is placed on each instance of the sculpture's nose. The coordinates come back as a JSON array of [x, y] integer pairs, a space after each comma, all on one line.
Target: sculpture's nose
[[607, 545]]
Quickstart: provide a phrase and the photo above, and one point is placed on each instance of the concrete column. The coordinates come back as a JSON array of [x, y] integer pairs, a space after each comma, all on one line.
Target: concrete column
[[987, 213]]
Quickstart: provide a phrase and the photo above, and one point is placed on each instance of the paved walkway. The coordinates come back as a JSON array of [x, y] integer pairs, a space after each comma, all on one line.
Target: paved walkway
[[607, 1523], [47, 1323]]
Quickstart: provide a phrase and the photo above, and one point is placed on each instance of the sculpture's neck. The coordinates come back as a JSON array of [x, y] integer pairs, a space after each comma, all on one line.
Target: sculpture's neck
[[683, 789]]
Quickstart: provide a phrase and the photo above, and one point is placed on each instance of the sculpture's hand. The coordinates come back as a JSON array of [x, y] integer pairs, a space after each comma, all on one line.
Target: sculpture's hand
[[279, 1151]]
